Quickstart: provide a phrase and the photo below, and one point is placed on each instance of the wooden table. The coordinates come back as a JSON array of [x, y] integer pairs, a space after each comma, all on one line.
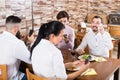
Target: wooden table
[[104, 69]]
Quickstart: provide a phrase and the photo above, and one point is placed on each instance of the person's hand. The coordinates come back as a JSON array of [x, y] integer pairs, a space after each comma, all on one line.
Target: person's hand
[[31, 38], [80, 51], [101, 29], [65, 38], [84, 67], [77, 63]]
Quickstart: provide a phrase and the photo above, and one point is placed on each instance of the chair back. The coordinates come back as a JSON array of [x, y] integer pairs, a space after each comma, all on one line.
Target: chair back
[[114, 31], [31, 76], [3, 72], [103, 16]]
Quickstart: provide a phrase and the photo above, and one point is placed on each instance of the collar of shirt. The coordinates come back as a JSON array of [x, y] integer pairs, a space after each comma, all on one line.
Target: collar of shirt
[[8, 33], [46, 41], [98, 34]]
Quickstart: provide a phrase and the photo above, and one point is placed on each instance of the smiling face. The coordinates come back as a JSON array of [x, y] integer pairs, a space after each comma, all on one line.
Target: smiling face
[[96, 23], [64, 20]]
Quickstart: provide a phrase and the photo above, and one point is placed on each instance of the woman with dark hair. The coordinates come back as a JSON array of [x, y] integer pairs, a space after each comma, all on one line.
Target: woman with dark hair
[[47, 60], [69, 35]]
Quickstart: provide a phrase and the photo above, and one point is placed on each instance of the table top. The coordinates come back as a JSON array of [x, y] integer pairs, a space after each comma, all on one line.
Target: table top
[[104, 69]]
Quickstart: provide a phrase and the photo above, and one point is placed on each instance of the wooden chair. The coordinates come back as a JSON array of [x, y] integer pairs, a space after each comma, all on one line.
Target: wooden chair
[[3, 72], [103, 16], [114, 31], [111, 51], [32, 76]]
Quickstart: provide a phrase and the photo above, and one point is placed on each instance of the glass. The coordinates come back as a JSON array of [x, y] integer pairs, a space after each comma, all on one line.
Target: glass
[[73, 53]]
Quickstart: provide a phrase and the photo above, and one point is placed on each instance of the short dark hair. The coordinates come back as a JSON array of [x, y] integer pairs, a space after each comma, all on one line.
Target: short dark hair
[[62, 14], [13, 19], [98, 17]]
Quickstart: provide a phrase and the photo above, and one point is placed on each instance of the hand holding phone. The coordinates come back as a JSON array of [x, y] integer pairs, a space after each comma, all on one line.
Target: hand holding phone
[[18, 35], [87, 59], [31, 32], [66, 38]]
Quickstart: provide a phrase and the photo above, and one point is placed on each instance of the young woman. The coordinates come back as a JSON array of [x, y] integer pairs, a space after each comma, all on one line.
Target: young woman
[[69, 35], [47, 60]]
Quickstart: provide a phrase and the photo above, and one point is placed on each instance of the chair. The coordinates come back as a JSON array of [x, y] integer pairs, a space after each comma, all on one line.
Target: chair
[[114, 31], [111, 51], [103, 16], [3, 72], [32, 76]]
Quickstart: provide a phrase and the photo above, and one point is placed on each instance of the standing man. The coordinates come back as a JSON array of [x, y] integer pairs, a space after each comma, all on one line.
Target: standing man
[[12, 49], [98, 40], [69, 35]]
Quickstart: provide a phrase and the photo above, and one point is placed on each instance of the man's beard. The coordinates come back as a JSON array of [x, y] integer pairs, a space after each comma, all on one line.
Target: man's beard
[[95, 29]]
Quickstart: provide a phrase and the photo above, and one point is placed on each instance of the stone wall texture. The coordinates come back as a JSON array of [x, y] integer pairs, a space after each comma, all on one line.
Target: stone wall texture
[[46, 10]]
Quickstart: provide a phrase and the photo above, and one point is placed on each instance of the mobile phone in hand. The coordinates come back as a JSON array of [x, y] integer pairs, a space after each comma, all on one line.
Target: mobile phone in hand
[[87, 59], [18, 35], [31, 32]]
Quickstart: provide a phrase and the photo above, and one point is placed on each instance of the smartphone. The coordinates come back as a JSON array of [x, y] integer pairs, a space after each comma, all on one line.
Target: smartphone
[[18, 35], [87, 59], [31, 32]]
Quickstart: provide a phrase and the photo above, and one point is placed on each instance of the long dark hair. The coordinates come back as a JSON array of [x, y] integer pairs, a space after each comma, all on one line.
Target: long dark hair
[[53, 27]]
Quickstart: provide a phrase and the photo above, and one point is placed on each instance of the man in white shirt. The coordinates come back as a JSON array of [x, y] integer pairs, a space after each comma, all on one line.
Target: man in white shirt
[[98, 40], [12, 49]]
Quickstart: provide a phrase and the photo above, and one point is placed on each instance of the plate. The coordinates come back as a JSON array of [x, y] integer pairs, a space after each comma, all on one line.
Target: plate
[[93, 58], [73, 69], [100, 59], [84, 56]]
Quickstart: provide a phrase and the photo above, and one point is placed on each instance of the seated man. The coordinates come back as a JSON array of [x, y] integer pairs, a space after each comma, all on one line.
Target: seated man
[[12, 49], [98, 40]]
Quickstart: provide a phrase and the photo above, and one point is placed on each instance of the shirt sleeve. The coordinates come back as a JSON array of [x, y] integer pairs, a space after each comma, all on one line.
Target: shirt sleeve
[[22, 53], [59, 67], [107, 41], [71, 39], [83, 44]]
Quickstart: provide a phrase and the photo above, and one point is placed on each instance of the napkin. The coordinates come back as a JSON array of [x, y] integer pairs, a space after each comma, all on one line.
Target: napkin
[[100, 59], [90, 71]]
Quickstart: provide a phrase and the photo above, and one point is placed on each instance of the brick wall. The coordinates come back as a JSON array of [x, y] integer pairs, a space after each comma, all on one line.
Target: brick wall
[[46, 10]]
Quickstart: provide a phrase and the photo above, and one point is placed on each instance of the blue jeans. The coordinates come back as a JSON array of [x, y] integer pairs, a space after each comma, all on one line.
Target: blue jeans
[[24, 77]]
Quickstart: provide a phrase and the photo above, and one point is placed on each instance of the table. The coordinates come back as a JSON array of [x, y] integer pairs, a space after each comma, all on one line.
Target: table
[[104, 69]]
